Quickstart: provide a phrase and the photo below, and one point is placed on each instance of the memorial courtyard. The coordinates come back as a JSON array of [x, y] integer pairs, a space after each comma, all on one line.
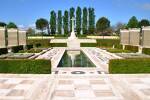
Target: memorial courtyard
[[75, 56]]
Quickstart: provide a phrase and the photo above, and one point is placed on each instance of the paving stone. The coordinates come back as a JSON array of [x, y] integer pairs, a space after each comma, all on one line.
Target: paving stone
[[27, 82], [84, 93], [64, 93], [82, 87], [103, 93], [16, 93], [7, 86], [97, 82], [65, 82], [146, 91]]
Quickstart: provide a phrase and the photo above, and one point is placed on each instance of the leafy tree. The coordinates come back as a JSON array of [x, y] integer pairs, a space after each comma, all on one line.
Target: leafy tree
[[2, 24], [144, 22], [133, 22], [53, 22], [78, 20], [102, 25], [30, 31], [72, 10], [91, 21], [41, 24], [119, 26], [59, 22], [65, 21], [84, 19], [12, 25]]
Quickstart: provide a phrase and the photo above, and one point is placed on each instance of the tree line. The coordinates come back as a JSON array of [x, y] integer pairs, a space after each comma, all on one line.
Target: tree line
[[61, 23]]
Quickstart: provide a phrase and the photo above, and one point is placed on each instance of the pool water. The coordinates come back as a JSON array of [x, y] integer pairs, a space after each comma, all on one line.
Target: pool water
[[75, 59]]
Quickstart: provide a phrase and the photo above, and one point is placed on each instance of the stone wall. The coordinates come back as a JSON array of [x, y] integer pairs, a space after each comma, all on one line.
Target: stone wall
[[12, 37], [2, 37], [22, 38]]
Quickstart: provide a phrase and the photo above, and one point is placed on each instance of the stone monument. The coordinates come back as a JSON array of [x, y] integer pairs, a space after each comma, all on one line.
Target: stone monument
[[2, 38], [146, 37], [73, 35], [22, 38], [134, 37], [12, 37]]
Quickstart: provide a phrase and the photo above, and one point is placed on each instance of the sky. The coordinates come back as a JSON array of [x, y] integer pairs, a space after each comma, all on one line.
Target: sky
[[25, 12]]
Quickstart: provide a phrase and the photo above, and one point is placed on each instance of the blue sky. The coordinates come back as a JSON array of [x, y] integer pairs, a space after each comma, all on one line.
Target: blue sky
[[25, 12]]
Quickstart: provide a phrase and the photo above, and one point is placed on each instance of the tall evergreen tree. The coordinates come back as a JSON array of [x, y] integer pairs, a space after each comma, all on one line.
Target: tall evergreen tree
[[53, 22], [133, 22], [91, 21], [84, 19], [65, 21], [59, 22], [72, 10], [78, 20]]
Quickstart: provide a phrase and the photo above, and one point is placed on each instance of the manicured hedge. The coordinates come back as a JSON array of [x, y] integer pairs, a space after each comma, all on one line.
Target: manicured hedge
[[29, 46], [25, 66], [3, 51], [118, 46], [88, 44], [39, 42], [118, 51], [146, 51], [107, 42], [16, 49], [131, 48], [58, 44], [129, 66]]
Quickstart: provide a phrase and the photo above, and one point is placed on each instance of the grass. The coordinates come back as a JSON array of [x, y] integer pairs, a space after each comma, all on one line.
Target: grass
[[118, 51], [129, 66], [25, 66]]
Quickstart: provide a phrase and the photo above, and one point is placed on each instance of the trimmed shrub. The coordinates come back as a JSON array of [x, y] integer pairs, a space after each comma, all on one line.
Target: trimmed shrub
[[108, 43], [118, 46], [3, 51], [118, 51], [38, 45], [31, 51], [129, 66], [58, 44], [88, 44], [16, 49], [30, 46], [131, 48], [146, 51], [39, 42], [25, 66]]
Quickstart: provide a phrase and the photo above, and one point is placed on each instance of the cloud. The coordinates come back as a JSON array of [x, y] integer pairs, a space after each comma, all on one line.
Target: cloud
[[145, 6]]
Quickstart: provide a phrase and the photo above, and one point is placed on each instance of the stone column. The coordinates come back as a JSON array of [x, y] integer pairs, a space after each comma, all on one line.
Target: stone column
[[22, 38]]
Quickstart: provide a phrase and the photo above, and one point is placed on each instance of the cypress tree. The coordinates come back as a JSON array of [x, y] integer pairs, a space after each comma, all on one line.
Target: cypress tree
[[91, 21], [133, 22], [65, 21], [72, 10], [78, 20], [84, 19], [59, 22], [53, 22]]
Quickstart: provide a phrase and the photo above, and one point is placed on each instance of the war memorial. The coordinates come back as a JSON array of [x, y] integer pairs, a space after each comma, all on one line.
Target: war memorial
[[73, 66]]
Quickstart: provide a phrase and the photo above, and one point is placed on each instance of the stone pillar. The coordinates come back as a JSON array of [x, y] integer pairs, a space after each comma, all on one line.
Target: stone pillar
[[2, 37]]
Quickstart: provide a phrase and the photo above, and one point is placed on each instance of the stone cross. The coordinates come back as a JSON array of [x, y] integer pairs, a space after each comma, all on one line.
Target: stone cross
[[73, 19]]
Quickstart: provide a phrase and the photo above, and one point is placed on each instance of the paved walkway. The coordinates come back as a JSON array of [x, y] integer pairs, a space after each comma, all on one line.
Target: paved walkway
[[75, 87]]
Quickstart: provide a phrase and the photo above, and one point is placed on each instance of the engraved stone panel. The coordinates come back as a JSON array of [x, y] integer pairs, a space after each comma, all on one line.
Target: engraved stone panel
[[146, 37], [134, 37], [2, 37], [124, 37], [22, 38], [12, 37]]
